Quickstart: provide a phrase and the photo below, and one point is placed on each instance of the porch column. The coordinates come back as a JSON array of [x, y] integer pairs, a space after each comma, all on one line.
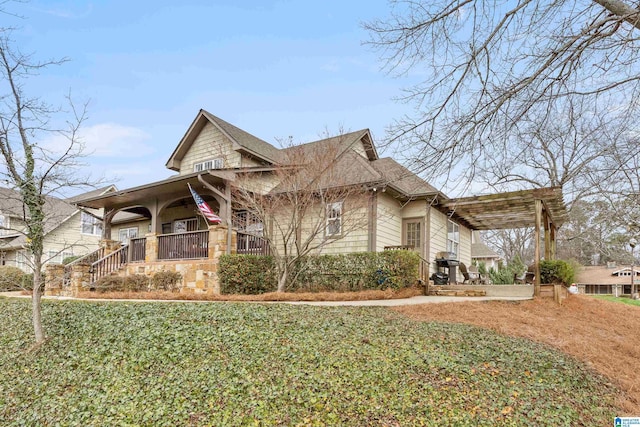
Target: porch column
[[151, 248], [109, 213], [536, 286]]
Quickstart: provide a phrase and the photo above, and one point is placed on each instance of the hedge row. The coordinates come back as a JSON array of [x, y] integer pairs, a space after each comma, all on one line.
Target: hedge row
[[254, 274], [161, 281]]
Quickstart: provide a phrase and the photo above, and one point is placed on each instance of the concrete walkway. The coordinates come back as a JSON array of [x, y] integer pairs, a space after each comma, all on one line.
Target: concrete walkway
[[372, 303]]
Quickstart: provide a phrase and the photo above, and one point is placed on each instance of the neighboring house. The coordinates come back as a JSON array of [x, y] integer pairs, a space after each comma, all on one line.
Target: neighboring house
[[607, 280], [69, 231], [402, 209], [481, 253]]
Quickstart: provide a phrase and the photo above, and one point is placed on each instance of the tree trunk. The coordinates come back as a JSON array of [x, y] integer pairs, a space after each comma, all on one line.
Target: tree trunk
[[36, 298], [282, 280]]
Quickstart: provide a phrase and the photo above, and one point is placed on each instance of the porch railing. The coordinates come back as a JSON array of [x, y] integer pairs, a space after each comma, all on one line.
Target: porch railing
[[109, 263], [89, 258], [137, 249], [250, 244], [191, 245]]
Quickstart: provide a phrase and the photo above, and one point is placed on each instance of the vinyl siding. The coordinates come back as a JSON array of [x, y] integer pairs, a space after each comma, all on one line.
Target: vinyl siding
[[142, 226], [438, 237], [415, 209], [210, 144], [389, 222], [68, 238]]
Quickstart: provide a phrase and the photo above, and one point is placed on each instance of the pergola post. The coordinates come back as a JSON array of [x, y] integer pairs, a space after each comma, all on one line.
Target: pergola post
[[553, 241], [538, 209], [547, 236]]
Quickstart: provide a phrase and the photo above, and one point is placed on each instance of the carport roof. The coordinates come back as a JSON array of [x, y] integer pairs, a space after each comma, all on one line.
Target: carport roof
[[514, 209]]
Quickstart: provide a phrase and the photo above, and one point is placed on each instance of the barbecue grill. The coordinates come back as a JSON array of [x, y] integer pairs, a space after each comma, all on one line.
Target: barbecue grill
[[447, 261]]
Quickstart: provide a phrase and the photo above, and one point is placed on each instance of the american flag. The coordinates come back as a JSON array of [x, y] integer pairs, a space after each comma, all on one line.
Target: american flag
[[204, 207]]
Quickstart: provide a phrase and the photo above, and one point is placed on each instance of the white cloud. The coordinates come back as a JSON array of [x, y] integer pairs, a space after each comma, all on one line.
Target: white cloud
[[107, 140], [114, 140]]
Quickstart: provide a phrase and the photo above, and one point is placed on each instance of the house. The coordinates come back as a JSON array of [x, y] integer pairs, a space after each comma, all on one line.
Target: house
[[481, 253], [222, 162], [607, 280], [69, 231]]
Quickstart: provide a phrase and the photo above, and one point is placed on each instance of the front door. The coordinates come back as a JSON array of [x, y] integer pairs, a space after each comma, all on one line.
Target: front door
[[413, 235]]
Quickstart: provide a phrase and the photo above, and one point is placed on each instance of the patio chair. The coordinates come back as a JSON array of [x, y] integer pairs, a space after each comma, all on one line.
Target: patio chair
[[468, 278], [475, 276]]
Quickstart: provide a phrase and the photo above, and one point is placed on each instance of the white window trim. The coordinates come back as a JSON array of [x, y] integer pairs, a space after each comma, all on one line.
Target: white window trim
[[96, 224], [453, 244], [128, 236], [335, 207], [217, 163]]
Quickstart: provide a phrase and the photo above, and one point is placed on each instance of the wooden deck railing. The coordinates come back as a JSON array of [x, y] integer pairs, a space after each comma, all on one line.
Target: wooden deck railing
[[250, 244], [191, 245], [109, 263], [137, 249]]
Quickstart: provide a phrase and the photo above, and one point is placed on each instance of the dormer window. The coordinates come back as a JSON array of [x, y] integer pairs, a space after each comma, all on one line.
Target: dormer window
[[208, 164]]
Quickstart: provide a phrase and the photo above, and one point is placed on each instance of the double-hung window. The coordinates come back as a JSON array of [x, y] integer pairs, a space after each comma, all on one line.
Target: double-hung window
[[334, 219], [208, 164], [90, 224], [127, 233], [453, 237]]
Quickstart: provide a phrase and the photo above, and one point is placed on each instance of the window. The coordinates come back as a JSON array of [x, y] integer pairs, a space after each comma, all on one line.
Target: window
[[127, 233], [90, 224], [334, 219], [185, 225], [247, 222], [56, 257], [412, 233], [4, 224], [453, 237], [22, 260], [208, 164]]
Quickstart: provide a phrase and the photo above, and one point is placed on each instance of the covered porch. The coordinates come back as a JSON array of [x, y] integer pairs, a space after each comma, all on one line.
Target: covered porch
[[543, 209], [160, 223]]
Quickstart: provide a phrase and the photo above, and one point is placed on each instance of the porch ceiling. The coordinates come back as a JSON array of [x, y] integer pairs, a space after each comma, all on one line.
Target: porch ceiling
[[136, 195], [514, 209]]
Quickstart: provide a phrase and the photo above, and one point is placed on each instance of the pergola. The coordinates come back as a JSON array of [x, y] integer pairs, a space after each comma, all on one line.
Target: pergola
[[541, 208]]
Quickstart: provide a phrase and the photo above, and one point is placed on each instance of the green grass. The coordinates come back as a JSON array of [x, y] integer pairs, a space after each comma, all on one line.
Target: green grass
[[176, 364], [623, 300]]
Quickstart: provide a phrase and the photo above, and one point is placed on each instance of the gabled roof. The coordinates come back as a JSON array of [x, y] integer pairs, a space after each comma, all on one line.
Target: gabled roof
[[601, 275], [56, 212], [480, 250], [402, 179], [345, 141], [242, 140], [92, 193]]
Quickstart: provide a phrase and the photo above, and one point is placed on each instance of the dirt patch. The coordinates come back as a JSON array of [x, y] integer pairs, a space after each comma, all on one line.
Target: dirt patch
[[602, 334]]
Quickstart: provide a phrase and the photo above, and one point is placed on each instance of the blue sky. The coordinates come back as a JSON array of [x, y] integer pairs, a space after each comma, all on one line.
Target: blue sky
[[273, 68]]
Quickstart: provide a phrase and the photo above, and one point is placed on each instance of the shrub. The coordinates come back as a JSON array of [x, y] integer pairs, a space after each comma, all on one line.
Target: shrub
[[247, 274], [504, 274], [166, 281], [70, 259], [109, 284], [12, 279], [136, 282], [254, 274], [557, 271]]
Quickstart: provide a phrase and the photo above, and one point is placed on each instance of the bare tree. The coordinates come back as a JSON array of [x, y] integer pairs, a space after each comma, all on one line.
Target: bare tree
[[317, 196], [484, 67], [32, 167]]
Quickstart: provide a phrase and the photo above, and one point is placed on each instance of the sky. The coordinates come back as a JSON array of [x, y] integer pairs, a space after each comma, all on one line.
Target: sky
[[276, 69]]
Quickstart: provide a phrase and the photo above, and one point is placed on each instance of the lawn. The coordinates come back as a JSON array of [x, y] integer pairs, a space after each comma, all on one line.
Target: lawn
[[623, 300], [169, 364]]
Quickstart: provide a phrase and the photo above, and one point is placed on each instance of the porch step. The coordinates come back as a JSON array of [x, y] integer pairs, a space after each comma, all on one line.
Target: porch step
[[438, 291]]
